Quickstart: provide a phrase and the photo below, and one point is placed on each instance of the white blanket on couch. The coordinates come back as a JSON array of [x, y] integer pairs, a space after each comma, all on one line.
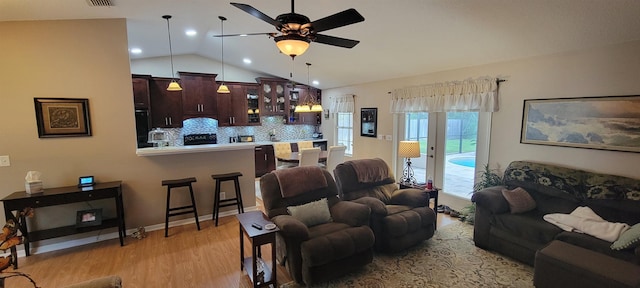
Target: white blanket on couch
[[584, 220]]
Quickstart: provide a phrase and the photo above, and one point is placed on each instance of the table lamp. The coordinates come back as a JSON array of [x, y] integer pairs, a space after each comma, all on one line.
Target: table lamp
[[408, 149]]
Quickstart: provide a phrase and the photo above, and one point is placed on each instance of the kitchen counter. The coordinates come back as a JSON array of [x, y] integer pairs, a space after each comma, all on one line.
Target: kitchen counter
[[172, 150]]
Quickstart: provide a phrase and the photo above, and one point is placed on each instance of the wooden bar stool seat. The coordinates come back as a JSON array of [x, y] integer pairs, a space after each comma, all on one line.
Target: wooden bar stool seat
[[175, 211], [217, 203]]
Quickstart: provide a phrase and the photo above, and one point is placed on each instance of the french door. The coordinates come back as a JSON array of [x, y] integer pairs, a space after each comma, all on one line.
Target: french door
[[451, 144]]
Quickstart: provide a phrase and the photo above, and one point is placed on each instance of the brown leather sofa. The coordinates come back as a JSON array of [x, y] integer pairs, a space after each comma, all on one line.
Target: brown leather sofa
[[555, 189], [322, 249], [400, 218]]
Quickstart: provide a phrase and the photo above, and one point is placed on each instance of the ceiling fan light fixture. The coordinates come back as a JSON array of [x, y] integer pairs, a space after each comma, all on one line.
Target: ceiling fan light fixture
[[292, 45], [223, 89]]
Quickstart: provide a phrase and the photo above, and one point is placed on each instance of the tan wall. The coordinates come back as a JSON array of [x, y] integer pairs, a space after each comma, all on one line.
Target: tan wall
[[605, 71], [89, 59]]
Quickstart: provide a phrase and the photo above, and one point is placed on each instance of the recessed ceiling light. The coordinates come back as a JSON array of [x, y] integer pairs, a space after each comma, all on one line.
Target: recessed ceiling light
[[135, 50], [191, 32], [246, 61], [242, 35], [315, 82]]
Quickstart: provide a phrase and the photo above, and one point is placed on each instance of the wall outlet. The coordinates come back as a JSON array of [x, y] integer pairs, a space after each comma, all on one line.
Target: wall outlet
[[223, 195], [380, 137], [4, 161]]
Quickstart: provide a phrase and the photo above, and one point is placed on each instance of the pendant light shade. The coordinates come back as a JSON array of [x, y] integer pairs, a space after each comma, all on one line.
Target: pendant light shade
[[311, 104], [173, 86], [222, 89]]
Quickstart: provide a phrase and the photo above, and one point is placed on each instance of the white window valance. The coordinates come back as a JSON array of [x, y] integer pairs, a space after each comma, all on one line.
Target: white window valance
[[468, 95], [342, 104]]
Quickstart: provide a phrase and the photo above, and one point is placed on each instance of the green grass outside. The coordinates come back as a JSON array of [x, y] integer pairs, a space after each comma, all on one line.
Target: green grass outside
[[453, 146]]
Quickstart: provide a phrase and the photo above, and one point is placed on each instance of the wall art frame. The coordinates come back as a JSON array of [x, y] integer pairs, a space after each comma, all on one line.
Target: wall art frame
[[62, 117], [603, 122]]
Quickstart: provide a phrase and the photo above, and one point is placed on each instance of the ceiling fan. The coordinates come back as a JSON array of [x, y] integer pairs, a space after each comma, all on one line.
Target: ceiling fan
[[296, 31]]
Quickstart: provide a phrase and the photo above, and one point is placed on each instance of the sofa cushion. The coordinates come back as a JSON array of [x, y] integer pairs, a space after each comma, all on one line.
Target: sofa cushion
[[630, 239], [519, 200], [341, 244], [527, 225], [403, 220], [312, 213]]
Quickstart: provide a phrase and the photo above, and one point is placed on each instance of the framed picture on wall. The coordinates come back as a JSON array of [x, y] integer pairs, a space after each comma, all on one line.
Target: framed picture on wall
[[62, 117], [369, 122], [606, 123]]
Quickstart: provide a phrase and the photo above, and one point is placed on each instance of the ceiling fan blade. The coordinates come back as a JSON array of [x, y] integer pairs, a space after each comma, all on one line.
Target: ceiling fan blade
[[339, 19], [335, 41], [253, 11], [270, 34]]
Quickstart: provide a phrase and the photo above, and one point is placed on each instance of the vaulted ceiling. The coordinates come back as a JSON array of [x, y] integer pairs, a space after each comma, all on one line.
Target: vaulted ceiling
[[398, 38]]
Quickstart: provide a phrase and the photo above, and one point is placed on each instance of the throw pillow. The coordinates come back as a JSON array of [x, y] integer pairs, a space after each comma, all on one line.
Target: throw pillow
[[519, 200], [628, 239], [312, 213]]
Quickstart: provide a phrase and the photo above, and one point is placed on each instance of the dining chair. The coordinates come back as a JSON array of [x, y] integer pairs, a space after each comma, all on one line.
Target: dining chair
[[284, 149], [305, 145], [335, 156], [309, 157]]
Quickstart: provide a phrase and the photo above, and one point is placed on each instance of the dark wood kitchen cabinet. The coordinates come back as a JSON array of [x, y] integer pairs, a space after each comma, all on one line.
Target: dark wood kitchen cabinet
[[233, 108], [272, 93], [141, 92], [265, 159], [165, 106], [199, 96]]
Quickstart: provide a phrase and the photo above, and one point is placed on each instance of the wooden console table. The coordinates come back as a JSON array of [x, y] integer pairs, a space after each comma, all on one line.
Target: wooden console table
[[65, 195]]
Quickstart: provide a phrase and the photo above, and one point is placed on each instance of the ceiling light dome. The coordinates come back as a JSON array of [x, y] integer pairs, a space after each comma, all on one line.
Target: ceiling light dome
[[292, 44]]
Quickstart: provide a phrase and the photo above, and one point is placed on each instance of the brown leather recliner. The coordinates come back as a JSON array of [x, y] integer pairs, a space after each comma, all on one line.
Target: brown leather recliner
[[324, 248], [400, 218]]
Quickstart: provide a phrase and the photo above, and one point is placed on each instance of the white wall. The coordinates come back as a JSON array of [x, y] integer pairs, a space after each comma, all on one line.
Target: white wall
[[605, 71]]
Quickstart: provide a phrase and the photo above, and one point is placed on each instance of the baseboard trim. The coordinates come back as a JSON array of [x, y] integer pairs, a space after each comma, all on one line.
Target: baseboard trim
[[36, 249]]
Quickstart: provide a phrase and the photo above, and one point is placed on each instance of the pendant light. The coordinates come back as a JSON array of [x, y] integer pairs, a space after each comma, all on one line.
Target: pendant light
[[311, 104], [173, 86], [223, 89]]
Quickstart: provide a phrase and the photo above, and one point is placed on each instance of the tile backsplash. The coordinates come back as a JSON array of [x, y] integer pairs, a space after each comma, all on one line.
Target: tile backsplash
[[260, 133]]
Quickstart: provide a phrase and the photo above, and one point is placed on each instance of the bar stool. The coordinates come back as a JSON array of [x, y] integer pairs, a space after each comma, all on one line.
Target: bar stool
[[217, 203], [186, 182]]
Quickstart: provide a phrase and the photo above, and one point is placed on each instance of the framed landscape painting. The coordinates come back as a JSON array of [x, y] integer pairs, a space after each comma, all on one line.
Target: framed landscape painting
[[607, 123], [62, 117]]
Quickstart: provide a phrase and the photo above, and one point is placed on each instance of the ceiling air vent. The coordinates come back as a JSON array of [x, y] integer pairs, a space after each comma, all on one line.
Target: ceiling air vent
[[100, 3]]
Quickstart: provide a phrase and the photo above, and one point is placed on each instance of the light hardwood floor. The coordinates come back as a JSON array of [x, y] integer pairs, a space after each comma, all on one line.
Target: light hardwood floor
[[187, 258]]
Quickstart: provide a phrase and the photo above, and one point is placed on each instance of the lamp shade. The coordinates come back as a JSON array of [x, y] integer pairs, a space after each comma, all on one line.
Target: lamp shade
[[223, 89], [292, 45], [302, 109], [316, 108], [174, 86], [409, 149]]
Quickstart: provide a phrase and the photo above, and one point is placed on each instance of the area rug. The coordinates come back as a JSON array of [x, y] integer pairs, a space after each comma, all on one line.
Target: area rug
[[449, 259]]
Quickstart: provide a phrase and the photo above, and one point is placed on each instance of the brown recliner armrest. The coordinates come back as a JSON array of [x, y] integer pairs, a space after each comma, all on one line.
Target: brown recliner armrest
[[410, 197], [491, 198], [376, 205], [291, 227], [351, 213]]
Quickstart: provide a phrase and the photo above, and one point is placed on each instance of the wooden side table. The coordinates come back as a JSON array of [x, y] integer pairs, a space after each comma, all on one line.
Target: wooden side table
[[433, 194], [256, 268]]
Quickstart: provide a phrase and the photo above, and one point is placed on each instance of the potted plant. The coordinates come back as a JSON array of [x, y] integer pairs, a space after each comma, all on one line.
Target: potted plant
[[488, 178]]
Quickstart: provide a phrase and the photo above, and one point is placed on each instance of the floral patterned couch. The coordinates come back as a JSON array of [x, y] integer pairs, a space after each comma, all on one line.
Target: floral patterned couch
[[555, 189]]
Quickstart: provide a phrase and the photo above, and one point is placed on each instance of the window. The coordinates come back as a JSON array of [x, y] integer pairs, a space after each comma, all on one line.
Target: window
[[345, 131]]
